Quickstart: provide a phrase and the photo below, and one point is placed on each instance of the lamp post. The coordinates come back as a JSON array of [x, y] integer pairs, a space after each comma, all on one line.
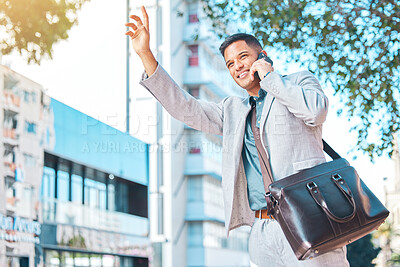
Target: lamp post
[[127, 68]]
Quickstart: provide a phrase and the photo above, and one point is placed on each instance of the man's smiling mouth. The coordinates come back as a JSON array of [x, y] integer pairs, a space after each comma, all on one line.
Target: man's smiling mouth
[[243, 74]]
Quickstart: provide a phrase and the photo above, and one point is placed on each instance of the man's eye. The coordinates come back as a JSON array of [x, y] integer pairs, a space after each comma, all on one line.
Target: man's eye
[[243, 56], [230, 65]]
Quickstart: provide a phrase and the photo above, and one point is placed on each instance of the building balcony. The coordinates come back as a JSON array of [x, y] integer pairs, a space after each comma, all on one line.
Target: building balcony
[[11, 101], [209, 246], [9, 169], [69, 213], [11, 204], [200, 211], [201, 256], [9, 133], [203, 164], [204, 198]]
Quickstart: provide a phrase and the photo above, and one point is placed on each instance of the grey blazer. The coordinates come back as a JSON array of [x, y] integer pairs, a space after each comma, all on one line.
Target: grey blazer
[[294, 110]]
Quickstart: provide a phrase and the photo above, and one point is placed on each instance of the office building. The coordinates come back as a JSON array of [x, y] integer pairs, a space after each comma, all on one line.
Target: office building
[[74, 191]]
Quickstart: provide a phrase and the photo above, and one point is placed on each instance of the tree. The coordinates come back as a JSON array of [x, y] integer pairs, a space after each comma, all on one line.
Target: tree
[[362, 252], [385, 234], [32, 27], [352, 44]]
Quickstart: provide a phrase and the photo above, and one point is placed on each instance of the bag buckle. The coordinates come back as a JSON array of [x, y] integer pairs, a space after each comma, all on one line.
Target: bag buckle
[[272, 198], [337, 178], [311, 186]]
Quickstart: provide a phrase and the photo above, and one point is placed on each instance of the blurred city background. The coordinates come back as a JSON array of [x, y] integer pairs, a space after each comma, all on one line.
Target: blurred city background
[[95, 173]]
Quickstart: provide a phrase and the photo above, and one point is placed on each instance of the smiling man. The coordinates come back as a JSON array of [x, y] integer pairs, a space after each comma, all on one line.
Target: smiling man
[[286, 113]]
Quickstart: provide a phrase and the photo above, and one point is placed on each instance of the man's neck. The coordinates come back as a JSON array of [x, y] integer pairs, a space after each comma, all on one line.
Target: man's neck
[[254, 91]]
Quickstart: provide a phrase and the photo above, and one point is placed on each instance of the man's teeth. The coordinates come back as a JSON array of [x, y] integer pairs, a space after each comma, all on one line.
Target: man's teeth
[[243, 74]]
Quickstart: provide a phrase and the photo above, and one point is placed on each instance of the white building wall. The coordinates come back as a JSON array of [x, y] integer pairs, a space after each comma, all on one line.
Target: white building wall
[[20, 175]]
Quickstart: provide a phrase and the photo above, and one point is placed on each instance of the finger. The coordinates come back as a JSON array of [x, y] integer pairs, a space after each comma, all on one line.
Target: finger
[[145, 17], [132, 25], [129, 33], [252, 71], [133, 35], [138, 20]]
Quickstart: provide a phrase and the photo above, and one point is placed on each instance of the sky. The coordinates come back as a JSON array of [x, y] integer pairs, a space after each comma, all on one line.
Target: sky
[[88, 73]]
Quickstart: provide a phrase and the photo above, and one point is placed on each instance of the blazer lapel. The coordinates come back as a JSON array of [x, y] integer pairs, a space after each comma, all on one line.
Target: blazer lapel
[[243, 112], [269, 99]]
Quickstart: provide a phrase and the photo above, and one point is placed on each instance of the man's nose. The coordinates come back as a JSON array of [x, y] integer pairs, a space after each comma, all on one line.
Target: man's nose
[[238, 65]]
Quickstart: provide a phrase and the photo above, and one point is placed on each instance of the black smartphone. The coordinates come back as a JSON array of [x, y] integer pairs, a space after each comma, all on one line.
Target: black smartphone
[[264, 56]]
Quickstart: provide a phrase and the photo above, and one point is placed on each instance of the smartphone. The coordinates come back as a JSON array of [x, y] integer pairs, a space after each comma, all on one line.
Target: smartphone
[[264, 56]]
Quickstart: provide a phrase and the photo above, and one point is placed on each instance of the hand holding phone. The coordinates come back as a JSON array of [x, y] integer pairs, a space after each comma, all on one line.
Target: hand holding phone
[[263, 55]]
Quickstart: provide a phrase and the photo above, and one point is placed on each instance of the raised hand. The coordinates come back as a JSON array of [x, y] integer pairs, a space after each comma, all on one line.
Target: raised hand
[[140, 37], [139, 32]]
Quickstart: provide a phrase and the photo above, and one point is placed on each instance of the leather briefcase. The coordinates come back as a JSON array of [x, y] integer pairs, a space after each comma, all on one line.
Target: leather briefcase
[[325, 207]]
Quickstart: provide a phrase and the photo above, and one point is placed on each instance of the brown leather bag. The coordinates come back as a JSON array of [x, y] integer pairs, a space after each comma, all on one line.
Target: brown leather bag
[[322, 208]]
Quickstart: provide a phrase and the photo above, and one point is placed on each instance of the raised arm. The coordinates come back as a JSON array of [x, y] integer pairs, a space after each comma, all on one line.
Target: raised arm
[[200, 115], [140, 37]]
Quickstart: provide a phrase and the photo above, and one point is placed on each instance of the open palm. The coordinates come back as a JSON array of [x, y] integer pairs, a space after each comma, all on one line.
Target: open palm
[[139, 32]]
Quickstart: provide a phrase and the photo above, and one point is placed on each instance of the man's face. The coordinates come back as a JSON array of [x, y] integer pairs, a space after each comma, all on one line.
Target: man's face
[[239, 57]]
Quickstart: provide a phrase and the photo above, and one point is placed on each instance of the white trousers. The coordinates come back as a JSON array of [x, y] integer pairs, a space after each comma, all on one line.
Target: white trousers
[[268, 247]]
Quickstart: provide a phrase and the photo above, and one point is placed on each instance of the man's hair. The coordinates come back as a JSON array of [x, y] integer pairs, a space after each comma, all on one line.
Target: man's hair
[[249, 39]]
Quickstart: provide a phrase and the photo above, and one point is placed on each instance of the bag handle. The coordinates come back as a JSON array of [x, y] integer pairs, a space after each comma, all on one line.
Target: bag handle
[[320, 200]]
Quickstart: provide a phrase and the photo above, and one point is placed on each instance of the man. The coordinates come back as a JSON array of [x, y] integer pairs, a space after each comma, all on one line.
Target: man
[[289, 110]]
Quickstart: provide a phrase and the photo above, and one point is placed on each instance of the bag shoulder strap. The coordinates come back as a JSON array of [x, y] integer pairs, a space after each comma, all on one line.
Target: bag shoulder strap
[[329, 150], [262, 156]]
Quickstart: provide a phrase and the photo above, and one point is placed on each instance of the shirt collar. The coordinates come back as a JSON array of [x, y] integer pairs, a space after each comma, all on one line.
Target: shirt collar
[[261, 95]]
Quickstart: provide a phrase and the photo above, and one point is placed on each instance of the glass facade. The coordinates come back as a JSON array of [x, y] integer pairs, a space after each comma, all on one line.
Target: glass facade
[[58, 258], [210, 234], [67, 181], [205, 189], [91, 218], [206, 192]]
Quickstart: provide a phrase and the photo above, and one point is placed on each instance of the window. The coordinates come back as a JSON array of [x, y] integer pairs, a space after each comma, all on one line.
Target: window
[[195, 234], [62, 186], [26, 96], [213, 191], [111, 197], [48, 183], [195, 189], [58, 258], [130, 198], [86, 186], [10, 120], [95, 194], [30, 161], [214, 237], [34, 96], [30, 127], [122, 197], [195, 150], [9, 155], [193, 18], [193, 55], [76, 188]]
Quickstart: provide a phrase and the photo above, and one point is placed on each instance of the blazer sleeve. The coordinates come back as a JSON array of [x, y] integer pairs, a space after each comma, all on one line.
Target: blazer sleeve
[[301, 93], [200, 115]]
